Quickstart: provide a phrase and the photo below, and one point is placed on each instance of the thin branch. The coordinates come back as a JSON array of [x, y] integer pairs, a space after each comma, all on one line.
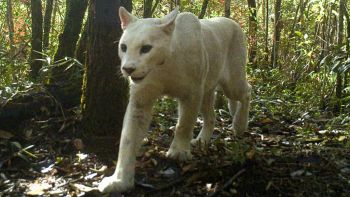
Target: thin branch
[[227, 184]]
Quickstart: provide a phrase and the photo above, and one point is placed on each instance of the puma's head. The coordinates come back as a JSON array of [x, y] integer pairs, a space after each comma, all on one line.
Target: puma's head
[[145, 43]]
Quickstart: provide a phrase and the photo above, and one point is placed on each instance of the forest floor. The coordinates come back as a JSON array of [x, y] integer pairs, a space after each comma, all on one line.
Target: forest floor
[[280, 155]]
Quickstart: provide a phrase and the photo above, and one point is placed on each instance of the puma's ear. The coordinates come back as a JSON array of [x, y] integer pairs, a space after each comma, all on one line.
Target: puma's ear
[[168, 21], [125, 17]]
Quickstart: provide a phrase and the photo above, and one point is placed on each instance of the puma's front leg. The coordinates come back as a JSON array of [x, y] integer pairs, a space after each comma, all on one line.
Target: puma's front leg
[[136, 123], [181, 144]]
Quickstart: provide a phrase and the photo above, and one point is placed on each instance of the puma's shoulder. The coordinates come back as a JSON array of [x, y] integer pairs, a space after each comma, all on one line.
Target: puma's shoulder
[[221, 24], [187, 21]]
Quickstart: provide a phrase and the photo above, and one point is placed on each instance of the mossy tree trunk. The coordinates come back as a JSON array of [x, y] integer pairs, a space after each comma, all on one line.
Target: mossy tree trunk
[[47, 23], [81, 51], [340, 37], [253, 28], [276, 34], [66, 80], [68, 38], [104, 90], [36, 41]]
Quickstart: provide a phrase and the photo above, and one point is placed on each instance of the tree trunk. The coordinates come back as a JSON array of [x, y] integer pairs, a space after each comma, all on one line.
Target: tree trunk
[[104, 91], [227, 8], [127, 4], [54, 14], [68, 39], [47, 23], [277, 33], [203, 9], [339, 79], [155, 6], [346, 14], [253, 25], [81, 51], [292, 31], [9, 20], [266, 31], [178, 3], [36, 41], [147, 8]]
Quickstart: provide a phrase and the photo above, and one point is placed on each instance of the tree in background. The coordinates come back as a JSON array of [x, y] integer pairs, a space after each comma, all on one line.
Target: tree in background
[[73, 20], [253, 28], [266, 38], [81, 50], [47, 23], [36, 41], [227, 8], [66, 79], [203, 9], [147, 8], [277, 33], [9, 20], [104, 90], [340, 37]]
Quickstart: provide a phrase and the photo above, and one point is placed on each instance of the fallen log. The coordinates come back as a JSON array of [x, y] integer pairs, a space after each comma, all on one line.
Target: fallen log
[[41, 101]]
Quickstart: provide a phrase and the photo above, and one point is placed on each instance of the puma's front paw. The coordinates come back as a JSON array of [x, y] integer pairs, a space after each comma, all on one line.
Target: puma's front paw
[[181, 155], [113, 184]]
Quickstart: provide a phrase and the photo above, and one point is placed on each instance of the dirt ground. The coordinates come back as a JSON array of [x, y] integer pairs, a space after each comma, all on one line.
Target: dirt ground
[[276, 157]]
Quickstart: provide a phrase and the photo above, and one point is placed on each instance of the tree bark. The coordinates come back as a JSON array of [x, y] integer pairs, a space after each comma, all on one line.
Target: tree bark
[[266, 31], [227, 8], [81, 51], [339, 78], [37, 36], [147, 8], [253, 25], [155, 6], [9, 20], [47, 23], [68, 39], [127, 4], [277, 33], [346, 14], [203, 9], [54, 14], [104, 91]]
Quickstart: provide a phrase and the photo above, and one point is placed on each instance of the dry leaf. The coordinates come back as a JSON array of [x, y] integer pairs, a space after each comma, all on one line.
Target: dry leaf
[[5, 134]]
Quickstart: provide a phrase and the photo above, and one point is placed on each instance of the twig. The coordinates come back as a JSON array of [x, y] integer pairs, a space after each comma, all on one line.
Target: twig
[[166, 186], [227, 184]]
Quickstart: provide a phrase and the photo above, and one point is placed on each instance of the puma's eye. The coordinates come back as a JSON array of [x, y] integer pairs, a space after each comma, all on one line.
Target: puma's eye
[[123, 47], [145, 49]]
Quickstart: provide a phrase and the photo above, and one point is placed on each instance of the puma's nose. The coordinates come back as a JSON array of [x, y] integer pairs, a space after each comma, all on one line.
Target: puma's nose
[[128, 70]]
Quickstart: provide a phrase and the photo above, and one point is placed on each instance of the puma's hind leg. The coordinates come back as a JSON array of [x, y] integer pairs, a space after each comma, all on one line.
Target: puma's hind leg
[[238, 103], [208, 113]]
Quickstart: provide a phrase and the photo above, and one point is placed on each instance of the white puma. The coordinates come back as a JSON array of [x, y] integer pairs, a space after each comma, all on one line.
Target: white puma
[[186, 58]]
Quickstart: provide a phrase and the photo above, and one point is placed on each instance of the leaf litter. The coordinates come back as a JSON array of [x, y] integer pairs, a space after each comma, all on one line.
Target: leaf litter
[[278, 156]]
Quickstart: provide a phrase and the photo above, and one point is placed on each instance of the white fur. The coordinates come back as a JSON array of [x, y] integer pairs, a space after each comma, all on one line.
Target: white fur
[[189, 59]]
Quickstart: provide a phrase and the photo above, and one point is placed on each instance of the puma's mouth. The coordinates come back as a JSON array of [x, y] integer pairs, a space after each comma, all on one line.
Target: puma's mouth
[[137, 79]]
